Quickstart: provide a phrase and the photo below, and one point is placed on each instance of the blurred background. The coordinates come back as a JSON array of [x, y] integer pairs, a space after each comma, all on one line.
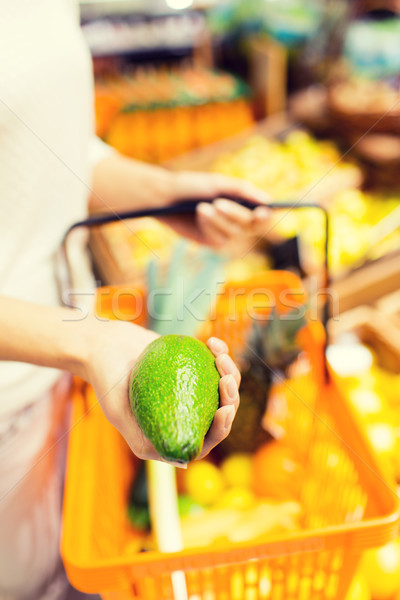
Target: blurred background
[[300, 97]]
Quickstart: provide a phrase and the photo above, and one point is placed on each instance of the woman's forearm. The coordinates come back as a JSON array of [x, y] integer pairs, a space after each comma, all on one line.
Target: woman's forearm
[[120, 183], [43, 335]]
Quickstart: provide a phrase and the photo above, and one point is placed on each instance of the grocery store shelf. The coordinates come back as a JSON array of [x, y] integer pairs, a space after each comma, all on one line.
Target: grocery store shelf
[[95, 8], [144, 36]]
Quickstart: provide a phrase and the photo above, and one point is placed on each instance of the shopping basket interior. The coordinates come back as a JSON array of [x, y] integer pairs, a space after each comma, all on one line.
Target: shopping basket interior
[[348, 504]]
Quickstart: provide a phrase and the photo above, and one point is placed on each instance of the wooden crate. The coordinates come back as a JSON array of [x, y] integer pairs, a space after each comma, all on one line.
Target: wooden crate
[[369, 283], [374, 328]]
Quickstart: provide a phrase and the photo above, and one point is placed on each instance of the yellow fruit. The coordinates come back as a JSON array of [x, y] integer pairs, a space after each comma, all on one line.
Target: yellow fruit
[[206, 528], [381, 569], [264, 520], [237, 469], [358, 589], [236, 497], [366, 402], [203, 482], [383, 438]]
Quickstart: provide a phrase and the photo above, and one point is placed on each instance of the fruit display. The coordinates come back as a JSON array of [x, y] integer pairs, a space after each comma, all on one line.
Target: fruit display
[[154, 114], [138, 241], [378, 576], [374, 394], [173, 392], [362, 224], [223, 501], [259, 511], [356, 219], [122, 250], [362, 96], [289, 170], [381, 569]]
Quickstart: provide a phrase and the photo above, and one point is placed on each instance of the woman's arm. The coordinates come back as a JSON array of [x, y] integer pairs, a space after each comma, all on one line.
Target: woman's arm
[[42, 335], [102, 353], [121, 183]]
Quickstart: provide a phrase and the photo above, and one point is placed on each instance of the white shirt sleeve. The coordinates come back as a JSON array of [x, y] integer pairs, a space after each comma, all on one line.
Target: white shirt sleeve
[[98, 150]]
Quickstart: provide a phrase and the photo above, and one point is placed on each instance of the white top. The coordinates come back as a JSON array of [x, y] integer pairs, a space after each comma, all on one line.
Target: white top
[[46, 145]]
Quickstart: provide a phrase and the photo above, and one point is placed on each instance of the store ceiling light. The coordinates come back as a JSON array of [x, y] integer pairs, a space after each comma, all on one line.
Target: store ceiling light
[[179, 4]]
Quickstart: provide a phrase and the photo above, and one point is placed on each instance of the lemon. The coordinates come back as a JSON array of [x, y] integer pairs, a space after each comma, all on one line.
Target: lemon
[[237, 470], [381, 569], [358, 589], [383, 439], [367, 402], [204, 482], [236, 497]]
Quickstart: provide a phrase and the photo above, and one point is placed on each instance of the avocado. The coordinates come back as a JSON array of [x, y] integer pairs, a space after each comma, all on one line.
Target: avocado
[[173, 393]]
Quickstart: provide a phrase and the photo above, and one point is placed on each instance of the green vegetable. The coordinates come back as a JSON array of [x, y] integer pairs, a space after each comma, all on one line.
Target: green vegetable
[[138, 506], [173, 392]]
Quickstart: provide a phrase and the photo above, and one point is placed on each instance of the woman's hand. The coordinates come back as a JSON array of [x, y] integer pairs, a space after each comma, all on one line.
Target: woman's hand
[[116, 346], [228, 396], [223, 221]]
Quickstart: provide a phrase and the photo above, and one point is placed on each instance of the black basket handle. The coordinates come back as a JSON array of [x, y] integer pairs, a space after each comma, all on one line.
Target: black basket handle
[[188, 206]]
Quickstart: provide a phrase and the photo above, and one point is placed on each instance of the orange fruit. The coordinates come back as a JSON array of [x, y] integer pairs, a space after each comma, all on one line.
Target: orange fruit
[[277, 472]]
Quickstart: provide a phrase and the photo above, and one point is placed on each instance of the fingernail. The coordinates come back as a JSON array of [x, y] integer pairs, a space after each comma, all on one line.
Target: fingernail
[[231, 387], [229, 417], [227, 364], [206, 209], [223, 205], [179, 465], [216, 344], [262, 212]]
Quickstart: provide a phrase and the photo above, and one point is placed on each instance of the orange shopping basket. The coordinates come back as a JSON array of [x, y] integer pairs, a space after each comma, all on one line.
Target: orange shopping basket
[[347, 502]]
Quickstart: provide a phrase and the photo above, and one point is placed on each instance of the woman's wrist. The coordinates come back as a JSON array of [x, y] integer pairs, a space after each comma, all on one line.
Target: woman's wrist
[[120, 183], [79, 345]]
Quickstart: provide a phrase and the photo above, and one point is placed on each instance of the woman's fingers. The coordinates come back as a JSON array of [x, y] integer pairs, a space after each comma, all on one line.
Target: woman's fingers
[[226, 366], [223, 362], [210, 220], [228, 394], [230, 218], [224, 220], [219, 429], [224, 416], [211, 234], [233, 211], [229, 391], [248, 220], [217, 346]]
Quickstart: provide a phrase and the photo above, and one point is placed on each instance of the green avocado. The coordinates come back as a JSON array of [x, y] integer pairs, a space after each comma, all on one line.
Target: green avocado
[[173, 392]]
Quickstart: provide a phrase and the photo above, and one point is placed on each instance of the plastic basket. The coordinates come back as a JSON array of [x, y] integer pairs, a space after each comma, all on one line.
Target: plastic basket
[[348, 504]]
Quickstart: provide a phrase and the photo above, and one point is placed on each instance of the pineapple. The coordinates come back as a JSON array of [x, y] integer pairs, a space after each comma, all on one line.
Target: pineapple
[[271, 348]]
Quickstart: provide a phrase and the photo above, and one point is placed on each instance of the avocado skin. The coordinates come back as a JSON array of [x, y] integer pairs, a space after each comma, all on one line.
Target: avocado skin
[[173, 393]]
